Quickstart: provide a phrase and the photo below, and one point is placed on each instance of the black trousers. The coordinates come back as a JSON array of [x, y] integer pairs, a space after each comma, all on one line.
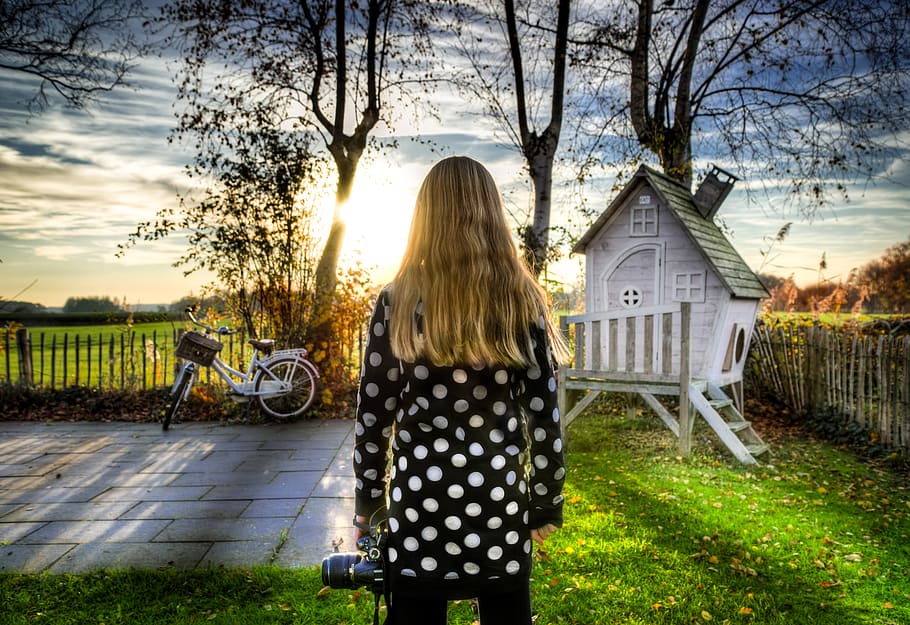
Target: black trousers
[[512, 608]]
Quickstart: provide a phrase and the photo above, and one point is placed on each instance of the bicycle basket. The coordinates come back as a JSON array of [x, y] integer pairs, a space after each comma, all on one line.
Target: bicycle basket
[[198, 347]]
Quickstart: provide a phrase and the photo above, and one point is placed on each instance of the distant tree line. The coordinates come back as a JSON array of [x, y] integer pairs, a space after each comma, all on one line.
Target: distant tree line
[[880, 286]]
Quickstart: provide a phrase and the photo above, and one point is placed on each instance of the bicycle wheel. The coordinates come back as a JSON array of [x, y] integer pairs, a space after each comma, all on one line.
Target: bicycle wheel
[[179, 392], [300, 384]]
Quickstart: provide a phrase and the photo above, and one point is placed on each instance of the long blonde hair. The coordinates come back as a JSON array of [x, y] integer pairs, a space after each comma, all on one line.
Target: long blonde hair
[[461, 270]]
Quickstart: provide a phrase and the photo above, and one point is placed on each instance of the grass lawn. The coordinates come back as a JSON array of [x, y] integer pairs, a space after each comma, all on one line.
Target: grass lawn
[[814, 536]]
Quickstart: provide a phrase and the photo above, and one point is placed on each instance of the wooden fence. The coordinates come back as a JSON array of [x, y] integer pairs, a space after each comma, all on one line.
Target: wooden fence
[[861, 378], [112, 360]]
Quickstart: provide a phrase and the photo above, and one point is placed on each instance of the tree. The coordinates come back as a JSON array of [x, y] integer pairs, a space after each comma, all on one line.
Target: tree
[[808, 93], [76, 48], [91, 305], [524, 37], [889, 280], [322, 67]]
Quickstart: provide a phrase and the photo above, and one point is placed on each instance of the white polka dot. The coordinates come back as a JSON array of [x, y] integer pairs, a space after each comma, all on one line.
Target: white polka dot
[[559, 473], [441, 422], [527, 546], [371, 474], [498, 462], [471, 568], [402, 463], [513, 424], [451, 575], [408, 572], [540, 489], [378, 329], [475, 479], [533, 373], [455, 491], [453, 549], [415, 483], [479, 392], [512, 507], [429, 533], [425, 427], [440, 391], [359, 429], [497, 436], [510, 478], [473, 509], [421, 372], [410, 543], [512, 567], [404, 435], [396, 494], [472, 541], [497, 494], [428, 564], [423, 402], [460, 376], [475, 449], [494, 553], [459, 460], [369, 419], [551, 384], [512, 537], [557, 445], [371, 389], [393, 554], [541, 462], [430, 505], [371, 448], [440, 445], [536, 404], [393, 524], [459, 433], [453, 522], [375, 359], [540, 434], [494, 522], [461, 405], [392, 375], [499, 408], [412, 515], [501, 376], [434, 474], [476, 421], [420, 452]]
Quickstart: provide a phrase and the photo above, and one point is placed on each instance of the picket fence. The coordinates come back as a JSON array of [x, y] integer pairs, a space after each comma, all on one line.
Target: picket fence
[[861, 378], [115, 360]]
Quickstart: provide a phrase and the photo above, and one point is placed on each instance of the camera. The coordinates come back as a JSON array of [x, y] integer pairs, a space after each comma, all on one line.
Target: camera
[[356, 569]]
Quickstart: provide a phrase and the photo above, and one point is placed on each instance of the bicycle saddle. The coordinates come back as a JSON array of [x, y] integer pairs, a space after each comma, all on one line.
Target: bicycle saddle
[[263, 345]]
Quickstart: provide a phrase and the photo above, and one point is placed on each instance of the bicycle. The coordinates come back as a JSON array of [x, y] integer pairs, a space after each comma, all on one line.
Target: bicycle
[[282, 381]]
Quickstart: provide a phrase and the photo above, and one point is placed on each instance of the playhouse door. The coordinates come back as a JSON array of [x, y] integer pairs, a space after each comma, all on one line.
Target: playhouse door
[[634, 280]]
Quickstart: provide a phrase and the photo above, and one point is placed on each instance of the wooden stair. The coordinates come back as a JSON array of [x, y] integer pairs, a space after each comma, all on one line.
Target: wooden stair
[[728, 423]]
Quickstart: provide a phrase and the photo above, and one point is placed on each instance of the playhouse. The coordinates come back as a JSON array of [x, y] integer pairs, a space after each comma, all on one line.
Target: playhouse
[[670, 306]]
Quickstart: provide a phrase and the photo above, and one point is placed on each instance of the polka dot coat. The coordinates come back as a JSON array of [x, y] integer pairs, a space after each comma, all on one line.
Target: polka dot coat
[[476, 464]]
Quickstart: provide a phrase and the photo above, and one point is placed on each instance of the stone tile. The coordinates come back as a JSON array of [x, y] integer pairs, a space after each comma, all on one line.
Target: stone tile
[[215, 530], [91, 511], [239, 553], [161, 493], [13, 532], [134, 555], [334, 486], [224, 478], [274, 508], [30, 558], [216, 509], [73, 495], [298, 484], [57, 532]]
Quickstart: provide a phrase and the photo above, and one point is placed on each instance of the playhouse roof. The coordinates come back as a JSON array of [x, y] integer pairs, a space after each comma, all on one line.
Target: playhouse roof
[[732, 270]]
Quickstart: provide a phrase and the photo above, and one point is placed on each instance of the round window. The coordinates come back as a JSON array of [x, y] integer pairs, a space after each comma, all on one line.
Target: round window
[[630, 297]]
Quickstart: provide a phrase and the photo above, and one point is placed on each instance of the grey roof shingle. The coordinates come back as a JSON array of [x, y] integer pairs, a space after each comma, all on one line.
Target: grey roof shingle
[[730, 267]]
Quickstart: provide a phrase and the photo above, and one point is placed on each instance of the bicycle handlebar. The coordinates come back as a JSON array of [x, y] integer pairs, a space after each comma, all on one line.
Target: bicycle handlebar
[[223, 330]]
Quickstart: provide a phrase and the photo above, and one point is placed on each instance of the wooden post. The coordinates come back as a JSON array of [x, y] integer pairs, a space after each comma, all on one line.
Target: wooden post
[[685, 428], [24, 347]]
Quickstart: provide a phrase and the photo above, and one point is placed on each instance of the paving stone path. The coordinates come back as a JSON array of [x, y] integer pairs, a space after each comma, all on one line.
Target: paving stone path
[[75, 497]]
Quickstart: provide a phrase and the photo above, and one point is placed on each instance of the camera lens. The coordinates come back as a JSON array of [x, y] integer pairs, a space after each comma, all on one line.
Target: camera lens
[[336, 569]]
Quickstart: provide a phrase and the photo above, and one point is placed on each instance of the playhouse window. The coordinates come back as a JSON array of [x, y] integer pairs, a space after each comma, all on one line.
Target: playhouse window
[[689, 287], [644, 221], [630, 297]]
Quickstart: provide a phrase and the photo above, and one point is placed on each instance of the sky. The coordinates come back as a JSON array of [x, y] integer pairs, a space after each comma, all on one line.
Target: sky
[[75, 183]]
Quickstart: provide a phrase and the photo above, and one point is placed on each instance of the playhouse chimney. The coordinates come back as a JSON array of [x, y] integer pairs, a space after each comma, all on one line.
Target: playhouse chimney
[[713, 191]]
